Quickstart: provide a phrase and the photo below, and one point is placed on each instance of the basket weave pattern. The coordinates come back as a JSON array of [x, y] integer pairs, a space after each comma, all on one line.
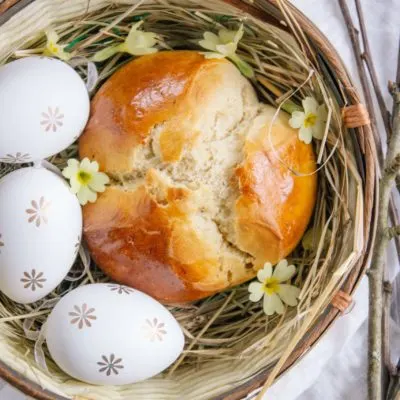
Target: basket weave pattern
[[355, 118]]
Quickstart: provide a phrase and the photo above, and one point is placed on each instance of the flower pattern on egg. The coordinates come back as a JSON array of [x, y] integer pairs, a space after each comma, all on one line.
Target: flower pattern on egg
[[52, 119], [154, 330], [82, 316], [110, 365], [33, 280], [38, 212], [120, 289], [18, 158]]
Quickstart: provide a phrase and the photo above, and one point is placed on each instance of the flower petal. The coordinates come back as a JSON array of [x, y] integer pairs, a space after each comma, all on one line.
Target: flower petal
[[273, 304], [289, 294], [98, 182], [71, 169], [265, 272], [134, 29], [205, 44], [211, 54], [319, 127], [85, 194], [72, 162], [239, 34], [211, 37], [75, 184], [105, 53], [52, 36], [141, 51], [297, 119], [227, 49], [226, 36], [283, 271], [305, 135], [310, 105], [90, 166], [139, 43], [256, 291], [150, 38]]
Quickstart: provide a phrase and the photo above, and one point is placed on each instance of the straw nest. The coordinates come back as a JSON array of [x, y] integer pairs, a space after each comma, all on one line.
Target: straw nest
[[229, 339]]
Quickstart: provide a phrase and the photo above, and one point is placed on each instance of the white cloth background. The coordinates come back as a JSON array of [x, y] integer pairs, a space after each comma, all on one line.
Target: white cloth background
[[336, 368]]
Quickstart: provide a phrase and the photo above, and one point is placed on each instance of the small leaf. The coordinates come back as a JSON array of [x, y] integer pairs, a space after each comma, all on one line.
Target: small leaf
[[139, 17], [116, 31], [223, 18], [68, 48]]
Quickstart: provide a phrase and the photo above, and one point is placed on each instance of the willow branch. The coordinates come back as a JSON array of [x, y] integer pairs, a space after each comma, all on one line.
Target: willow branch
[[376, 271], [355, 42], [360, 57], [393, 392], [367, 56], [387, 299], [386, 116]]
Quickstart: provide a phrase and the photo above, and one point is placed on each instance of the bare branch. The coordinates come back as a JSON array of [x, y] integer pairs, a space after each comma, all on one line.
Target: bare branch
[[378, 262], [378, 331], [359, 56], [387, 301], [353, 33], [393, 231], [393, 168], [367, 56]]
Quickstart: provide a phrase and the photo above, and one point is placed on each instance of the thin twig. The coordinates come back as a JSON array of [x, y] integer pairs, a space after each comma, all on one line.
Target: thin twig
[[386, 116], [393, 392], [375, 273], [387, 297], [367, 56], [353, 33], [360, 58]]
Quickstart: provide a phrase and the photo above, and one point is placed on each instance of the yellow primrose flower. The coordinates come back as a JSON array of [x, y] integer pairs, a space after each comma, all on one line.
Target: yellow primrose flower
[[274, 291], [136, 43], [225, 44], [53, 49], [311, 121], [85, 179]]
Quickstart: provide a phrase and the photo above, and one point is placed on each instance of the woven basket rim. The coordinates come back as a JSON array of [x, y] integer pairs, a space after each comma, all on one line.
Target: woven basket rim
[[364, 134]]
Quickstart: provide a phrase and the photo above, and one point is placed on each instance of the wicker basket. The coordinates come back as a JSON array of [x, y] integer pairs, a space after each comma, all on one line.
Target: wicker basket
[[358, 128]]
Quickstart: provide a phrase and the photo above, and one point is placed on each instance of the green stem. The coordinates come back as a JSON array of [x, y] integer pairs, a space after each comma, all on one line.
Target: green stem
[[243, 66]]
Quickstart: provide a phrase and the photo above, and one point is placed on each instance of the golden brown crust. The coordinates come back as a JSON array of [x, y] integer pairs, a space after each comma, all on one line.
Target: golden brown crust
[[149, 245], [139, 96], [153, 233], [278, 188]]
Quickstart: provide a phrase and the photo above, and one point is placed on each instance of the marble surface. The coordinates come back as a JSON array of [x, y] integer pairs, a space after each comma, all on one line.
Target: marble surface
[[336, 368]]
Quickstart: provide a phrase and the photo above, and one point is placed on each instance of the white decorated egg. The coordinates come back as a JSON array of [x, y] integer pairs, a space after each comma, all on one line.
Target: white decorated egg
[[40, 232], [108, 334], [44, 107]]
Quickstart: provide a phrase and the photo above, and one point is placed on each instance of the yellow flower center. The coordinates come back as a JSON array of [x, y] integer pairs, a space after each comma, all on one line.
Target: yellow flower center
[[53, 48], [310, 120], [84, 177], [271, 286]]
